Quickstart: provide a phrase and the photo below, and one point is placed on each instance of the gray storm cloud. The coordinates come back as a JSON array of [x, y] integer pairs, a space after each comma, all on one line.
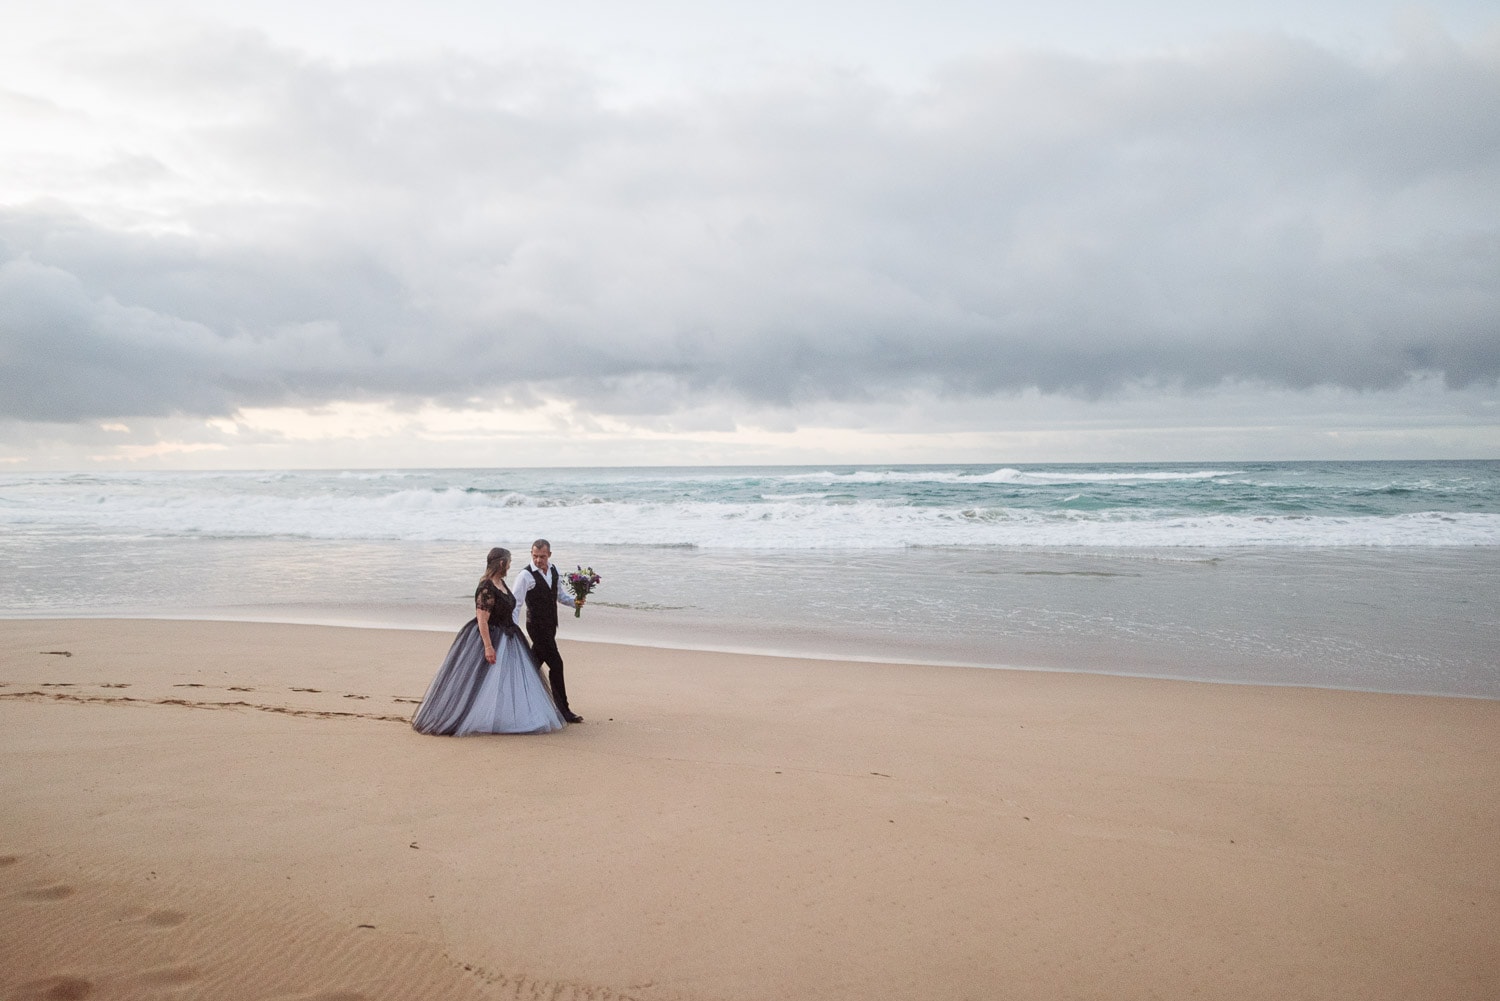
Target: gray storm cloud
[[1264, 211]]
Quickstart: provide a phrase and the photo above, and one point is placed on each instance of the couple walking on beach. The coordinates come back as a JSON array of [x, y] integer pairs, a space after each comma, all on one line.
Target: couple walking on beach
[[491, 680]]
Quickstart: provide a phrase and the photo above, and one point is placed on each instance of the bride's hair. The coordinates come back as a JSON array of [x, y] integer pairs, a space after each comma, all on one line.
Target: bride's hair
[[498, 562]]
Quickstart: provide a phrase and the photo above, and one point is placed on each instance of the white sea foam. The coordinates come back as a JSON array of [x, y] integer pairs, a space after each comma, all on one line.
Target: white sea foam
[[776, 508], [1007, 475], [793, 523], [1086, 477]]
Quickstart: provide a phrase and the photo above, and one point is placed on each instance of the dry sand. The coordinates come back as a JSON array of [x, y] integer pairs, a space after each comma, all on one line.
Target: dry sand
[[222, 810]]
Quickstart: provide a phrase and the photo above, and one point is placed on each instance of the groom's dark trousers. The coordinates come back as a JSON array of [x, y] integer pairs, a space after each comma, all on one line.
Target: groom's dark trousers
[[546, 653], [541, 627]]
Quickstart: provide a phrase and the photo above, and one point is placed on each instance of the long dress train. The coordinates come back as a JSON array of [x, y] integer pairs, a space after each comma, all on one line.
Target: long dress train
[[471, 695]]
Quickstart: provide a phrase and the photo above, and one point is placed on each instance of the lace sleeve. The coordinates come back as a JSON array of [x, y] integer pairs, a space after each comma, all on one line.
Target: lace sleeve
[[485, 596]]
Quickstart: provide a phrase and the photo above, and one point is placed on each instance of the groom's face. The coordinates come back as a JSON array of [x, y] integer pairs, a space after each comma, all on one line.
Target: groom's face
[[541, 557]]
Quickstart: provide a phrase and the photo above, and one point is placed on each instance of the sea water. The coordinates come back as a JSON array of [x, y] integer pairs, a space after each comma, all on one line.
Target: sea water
[[1370, 575]]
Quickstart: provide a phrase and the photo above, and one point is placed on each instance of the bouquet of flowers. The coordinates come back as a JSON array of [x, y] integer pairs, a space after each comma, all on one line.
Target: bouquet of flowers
[[581, 582]]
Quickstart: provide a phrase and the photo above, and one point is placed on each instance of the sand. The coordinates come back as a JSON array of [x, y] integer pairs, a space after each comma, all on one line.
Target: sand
[[233, 810]]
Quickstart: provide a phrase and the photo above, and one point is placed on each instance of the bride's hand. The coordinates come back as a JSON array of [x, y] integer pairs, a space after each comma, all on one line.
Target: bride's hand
[[489, 655]]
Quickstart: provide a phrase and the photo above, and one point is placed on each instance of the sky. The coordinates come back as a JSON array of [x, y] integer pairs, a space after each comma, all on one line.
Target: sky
[[336, 235]]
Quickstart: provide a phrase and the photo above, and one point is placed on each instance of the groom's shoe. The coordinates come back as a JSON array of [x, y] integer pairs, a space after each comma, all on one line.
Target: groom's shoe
[[572, 717]]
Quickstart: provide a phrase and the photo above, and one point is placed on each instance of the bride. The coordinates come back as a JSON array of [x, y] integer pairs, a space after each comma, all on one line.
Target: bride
[[489, 682]]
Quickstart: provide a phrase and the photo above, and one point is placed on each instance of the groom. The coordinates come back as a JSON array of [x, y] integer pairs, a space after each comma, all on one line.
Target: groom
[[536, 590]]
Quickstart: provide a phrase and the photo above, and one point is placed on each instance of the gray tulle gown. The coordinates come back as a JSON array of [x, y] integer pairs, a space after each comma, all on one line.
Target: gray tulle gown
[[471, 695]]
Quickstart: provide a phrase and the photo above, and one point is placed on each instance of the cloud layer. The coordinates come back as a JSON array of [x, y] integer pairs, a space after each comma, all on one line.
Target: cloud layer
[[232, 224]]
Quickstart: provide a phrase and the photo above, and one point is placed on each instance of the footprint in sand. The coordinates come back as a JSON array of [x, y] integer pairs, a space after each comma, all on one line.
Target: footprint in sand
[[165, 919], [415, 702], [188, 684], [6, 860], [116, 684], [169, 976], [524, 986], [234, 688], [55, 892], [356, 696], [318, 690], [58, 684], [59, 988]]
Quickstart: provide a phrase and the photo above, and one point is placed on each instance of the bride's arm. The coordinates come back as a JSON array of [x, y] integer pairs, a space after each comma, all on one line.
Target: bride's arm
[[483, 617]]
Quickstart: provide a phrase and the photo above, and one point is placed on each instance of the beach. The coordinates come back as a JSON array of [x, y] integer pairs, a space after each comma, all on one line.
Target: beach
[[240, 810]]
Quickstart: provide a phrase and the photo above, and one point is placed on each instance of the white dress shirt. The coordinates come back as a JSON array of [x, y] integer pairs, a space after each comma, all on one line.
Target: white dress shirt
[[525, 582]]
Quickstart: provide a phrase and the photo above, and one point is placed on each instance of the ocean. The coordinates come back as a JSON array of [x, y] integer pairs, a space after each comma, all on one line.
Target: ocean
[[1379, 576]]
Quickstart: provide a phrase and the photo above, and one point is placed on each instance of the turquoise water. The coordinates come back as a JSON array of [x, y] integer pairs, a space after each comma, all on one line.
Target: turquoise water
[[853, 507]]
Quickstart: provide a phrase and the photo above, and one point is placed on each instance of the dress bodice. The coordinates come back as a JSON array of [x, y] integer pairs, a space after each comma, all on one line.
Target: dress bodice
[[500, 604]]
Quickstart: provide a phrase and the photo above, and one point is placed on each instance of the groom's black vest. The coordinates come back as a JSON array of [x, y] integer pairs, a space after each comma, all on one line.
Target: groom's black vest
[[541, 604]]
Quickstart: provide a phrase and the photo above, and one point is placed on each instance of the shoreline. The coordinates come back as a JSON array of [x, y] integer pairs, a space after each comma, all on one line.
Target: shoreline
[[744, 651], [231, 809], [1355, 621]]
